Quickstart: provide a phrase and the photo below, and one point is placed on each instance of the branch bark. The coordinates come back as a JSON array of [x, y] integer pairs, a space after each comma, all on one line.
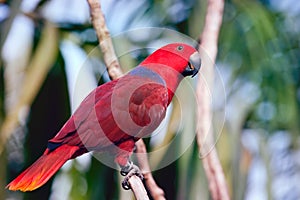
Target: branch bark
[[105, 42], [205, 137], [115, 71], [137, 188], [156, 192]]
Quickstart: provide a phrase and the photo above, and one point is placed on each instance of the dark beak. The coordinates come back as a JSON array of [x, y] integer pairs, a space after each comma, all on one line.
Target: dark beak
[[193, 66]]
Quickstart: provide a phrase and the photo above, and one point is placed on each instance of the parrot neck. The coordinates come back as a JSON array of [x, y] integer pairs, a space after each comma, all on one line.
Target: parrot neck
[[170, 76], [172, 83]]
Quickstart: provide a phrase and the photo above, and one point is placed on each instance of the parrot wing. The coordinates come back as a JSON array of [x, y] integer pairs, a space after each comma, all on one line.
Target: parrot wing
[[124, 109]]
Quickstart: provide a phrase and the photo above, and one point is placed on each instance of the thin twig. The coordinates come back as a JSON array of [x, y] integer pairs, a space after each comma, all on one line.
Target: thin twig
[[209, 42], [114, 71]]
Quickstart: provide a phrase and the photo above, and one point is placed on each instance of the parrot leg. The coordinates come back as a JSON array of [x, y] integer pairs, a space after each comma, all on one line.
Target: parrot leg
[[128, 171]]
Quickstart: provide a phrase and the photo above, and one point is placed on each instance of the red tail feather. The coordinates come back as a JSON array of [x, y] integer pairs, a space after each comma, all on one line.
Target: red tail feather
[[43, 169]]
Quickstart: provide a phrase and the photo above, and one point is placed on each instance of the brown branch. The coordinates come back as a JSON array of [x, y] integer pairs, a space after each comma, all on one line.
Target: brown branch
[[156, 192], [114, 71], [205, 138], [110, 58], [138, 188]]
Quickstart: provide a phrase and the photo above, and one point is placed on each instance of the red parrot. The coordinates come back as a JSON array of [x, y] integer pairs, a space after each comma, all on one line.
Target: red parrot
[[116, 114]]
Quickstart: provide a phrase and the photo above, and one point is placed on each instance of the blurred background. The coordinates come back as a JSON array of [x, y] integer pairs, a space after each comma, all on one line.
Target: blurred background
[[49, 61]]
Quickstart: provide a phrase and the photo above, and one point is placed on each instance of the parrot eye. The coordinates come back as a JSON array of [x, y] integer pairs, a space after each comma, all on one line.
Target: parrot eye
[[180, 48]]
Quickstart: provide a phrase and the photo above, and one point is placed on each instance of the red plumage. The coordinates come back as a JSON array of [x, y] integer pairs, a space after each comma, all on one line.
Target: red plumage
[[115, 115]]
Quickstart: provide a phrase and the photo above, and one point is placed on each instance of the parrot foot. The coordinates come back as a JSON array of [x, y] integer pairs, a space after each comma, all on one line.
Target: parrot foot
[[128, 171]]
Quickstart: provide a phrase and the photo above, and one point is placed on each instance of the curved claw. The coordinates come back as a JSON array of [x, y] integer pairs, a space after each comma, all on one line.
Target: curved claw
[[128, 171], [125, 184], [127, 168], [123, 173]]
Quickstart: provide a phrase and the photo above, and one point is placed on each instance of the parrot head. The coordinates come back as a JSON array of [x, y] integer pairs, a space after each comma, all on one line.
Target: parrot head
[[181, 57]]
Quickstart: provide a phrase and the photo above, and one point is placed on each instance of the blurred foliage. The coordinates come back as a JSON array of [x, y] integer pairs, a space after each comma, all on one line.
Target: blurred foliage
[[258, 53], [255, 44]]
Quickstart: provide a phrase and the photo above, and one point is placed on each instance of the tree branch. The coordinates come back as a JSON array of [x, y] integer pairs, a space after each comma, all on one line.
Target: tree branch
[[105, 42], [156, 192], [209, 42], [114, 71], [137, 188]]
